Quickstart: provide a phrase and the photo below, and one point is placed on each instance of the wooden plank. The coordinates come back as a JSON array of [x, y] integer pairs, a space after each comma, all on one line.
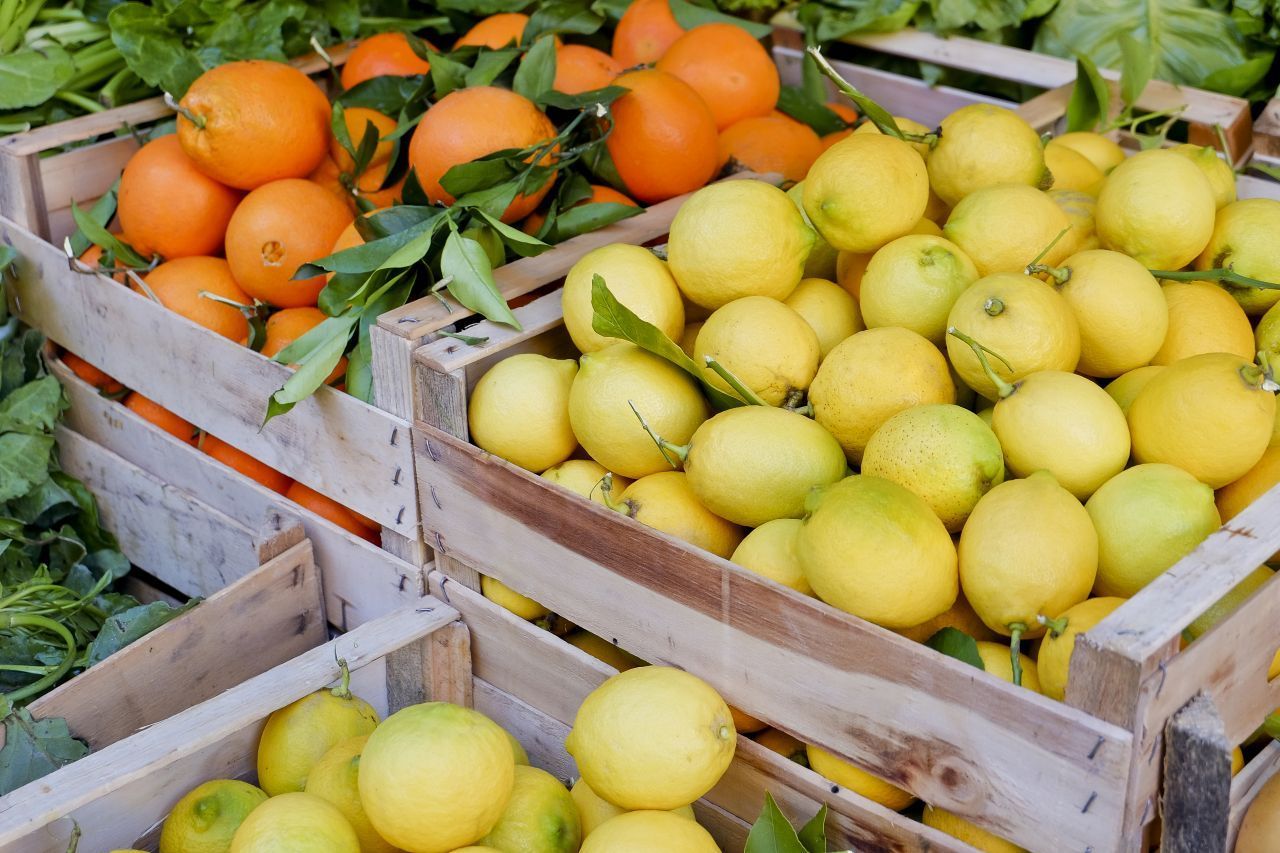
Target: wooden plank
[[1197, 780], [21, 191], [1266, 130], [1249, 186], [956, 737], [83, 174], [436, 668], [1247, 784]]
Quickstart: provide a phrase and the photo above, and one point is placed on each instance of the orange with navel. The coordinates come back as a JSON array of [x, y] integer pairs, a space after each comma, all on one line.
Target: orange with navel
[[726, 66], [287, 325], [644, 32], [383, 55], [185, 285], [238, 460]]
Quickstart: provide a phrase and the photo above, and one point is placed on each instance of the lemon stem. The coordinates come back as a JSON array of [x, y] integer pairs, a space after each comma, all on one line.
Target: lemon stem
[[1003, 388], [1055, 626], [994, 306], [343, 690], [178, 108], [1060, 275], [606, 490], [680, 450], [748, 396], [75, 837], [1038, 258], [1271, 726], [1268, 372], [1224, 274], [873, 111], [1016, 630]]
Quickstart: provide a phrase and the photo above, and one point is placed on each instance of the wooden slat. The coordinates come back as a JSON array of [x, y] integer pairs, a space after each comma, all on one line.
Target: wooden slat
[[1247, 784], [82, 175], [21, 191], [1266, 130], [1197, 781], [438, 668]]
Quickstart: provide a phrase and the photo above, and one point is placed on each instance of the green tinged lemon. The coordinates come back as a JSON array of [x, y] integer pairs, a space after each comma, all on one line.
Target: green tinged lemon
[[1126, 387], [207, 817], [1222, 178], [298, 735], [335, 780], [912, 283], [540, 817], [1244, 241], [297, 822]]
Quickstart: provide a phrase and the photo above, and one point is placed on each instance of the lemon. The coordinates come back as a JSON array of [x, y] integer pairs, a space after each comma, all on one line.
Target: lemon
[[1054, 658], [664, 501], [871, 548], [783, 744], [689, 337], [961, 616], [1065, 424], [997, 661], [206, 818], [1125, 388], [603, 650], [829, 310], [905, 125], [540, 817], [872, 376], [297, 822], [649, 832], [1209, 415], [1120, 309], [866, 190], [1072, 170], [850, 266], [1102, 152], [1222, 178], [595, 811], [517, 749], [1079, 208], [1157, 207], [585, 477], [736, 239], [1237, 761], [1202, 318], [974, 836], [1243, 241], [767, 346], [653, 737], [477, 848], [404, 761], [987, 413], [1253, 484], [1024, 320], [1267, 335], [912, 282], [1028, 550], [608, 381], [334, 779], [753, 464], [1224, 606], [519, 410], [1261, 825], [504, 596], [1005, 227], [821, 262], [636, 278], [980, 146], [770, 550], [942, 453], [298, 735], [857, 780]]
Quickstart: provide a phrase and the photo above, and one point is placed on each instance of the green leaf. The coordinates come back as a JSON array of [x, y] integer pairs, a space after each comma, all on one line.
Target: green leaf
[[8, 255], [1136, 69], [29, 77], [469, 340], [772, 832], [24, 463], [387, 95], [124, 628], [875, 16], [955, 643], [122, 251], [447, 74], [796, 103], [479, 174], [559, 100], [521, 243], [689, 15], [493, 201], [583, 218], [35, 748], [538, 70], [313, 369], [33, 408], [465, 264], [566, 16], [813, 835], [1090, 101], [490, 64], [102, 212]]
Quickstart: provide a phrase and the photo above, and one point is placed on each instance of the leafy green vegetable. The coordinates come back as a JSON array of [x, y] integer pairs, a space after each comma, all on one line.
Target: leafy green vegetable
[[30, 77], [35, 748], [955, 643], [988, 15], [689, 15]]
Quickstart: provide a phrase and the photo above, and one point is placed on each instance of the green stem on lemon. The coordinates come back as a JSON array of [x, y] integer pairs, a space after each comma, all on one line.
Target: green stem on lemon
[[680, 450], [1060, 275], [1271, 726], [1055, 626], [873, 111], [75, 837], [1224, 274], [343, 690], [1016, 630], [994, 306], [1036, 260], [1003, 388], [606, 490], [747, 396], [178, 108]]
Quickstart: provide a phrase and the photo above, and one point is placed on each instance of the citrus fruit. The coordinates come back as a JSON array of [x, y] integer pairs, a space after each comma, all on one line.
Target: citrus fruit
[[1079, 208], [585, 477], [359, 121], [298, 735], [1028, 550], [1202, 319], [1240, 242], [665, 502], [595, 811], [496, 31], [187, 286], [644, 831], [245, 464], [519, 410], [149, 410], [1222, 178], [1054, 658], [1158, 208], [871, 548], [1098, 149], [850, 266], [169, 207], [912, 282], [996, 660], [767, 346], [540, 817], [1267, 334], [1224, 606], [821, 262], [1126, 387], [971, 834], [95, 377], [298, 822], [287, 325], [944, 454], [248, 123], [1261, 825], [334, 778], [653, 737], [770, 550], [727, 67], [1253, 484], [406, 757], [783, 744], [506, 597], [857, 780], [1071, 170], [829, 310], [207, 817], [735, 239], [580, 68], [608, 383], [331, 510], [960, 616], [866, 190], [636, 278], [870, 377], [1003, 228], [382, 55], [605, 652], [849, 116], [663, 141], [980, 146], [644, 32], [769, 143], [906, 125]]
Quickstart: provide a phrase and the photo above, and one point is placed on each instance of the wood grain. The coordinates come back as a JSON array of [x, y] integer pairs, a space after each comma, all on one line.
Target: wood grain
[[1197, 781]]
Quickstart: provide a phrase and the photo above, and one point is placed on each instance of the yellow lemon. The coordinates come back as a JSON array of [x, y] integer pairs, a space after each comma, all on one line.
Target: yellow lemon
[[1005, 227], [971, 834], [1267, 335], [871, 548], [866, 190], [1224, 606], [206, 818], [1072, 170], [1261, 825], [689, 337], [622, 738], [612, 379], [821, 262], [517, 749], [603, 650], [1079, 208], [1222, 178], [595, 811], [636, 278], [585, 477], [1054, 658], [1209, 414], [783, 744], [850, 266], [298, 735], [770, 550], [404, 761], [960, 616], [1157, 207], [980, 146], [997, 660], [857, 780], [872, 376], [1028, 550], [519, 410], [1243, 241], [912, 282], [736, 239], [504, 596], [1098, 149], [649, 831], [296, 822], [1125, 388], [540, 817], [767, 346], [334, 779], [665, 502], [906, 125], [1202, 318], [829, 310]]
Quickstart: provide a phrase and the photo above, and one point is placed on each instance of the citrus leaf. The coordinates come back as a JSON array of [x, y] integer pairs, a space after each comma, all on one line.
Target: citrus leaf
[[813, 835], [524, 245], [479, 174], [466, 266], [490, 64], [99, 235], [560, 100], [102, 212], [772, 832], [1090, 100], [689, 15], [568, 16], [469, 340], [797, 103], [313, 368], [446, 74], [1136, 70], [955, 643], [583, 218], [29, 77], [538, 70]]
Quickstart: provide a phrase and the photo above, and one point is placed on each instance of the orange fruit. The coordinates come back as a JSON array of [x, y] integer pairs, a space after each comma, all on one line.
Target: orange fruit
[[383, 55], [369, 184], [261, 121], [169, 207], [347, 519], [583, 69], [92, 257], [91, 374], [328, 176], [846, 112], [770, 144], [470, 123], [495, 31], [288, 324], [644, 32], [180, 284], [240, 461], [728, 68], [599, 194], [276, 229], [663, 141], [149, 410]]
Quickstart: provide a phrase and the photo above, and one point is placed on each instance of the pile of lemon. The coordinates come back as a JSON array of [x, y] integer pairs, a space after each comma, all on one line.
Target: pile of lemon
[[437, 777], [994, 383]]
